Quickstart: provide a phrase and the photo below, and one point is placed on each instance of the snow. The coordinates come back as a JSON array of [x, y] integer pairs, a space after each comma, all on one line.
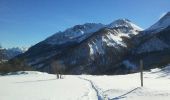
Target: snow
[[80, 32], [161, 24], [25, 73], [124, 22], [9, 53], [113, 40], [110, 39], [42, 87], [96, 47], [71, 34], [127, 87], [32, 85], [91, 49]]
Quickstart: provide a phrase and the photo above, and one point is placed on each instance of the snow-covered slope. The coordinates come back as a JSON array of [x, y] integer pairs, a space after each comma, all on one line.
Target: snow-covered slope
[[43, 86], [78, 45], [80, 32], [163, 23], [107, 47], [127, 87], [124, 23], [111, 38], [74, 34]]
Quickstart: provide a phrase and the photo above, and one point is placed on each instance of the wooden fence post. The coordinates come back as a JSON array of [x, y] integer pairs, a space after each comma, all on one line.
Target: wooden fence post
[[141, 72]]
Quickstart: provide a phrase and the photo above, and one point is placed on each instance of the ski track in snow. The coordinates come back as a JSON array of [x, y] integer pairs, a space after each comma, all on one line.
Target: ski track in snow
[[42, 86], [99, 93], [102, 96], [124, 95]]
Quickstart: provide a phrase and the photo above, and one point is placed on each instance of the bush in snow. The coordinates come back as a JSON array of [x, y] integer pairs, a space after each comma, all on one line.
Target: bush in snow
[[57, 68]]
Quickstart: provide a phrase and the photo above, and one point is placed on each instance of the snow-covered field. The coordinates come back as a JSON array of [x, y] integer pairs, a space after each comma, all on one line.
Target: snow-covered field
[[43, 86]]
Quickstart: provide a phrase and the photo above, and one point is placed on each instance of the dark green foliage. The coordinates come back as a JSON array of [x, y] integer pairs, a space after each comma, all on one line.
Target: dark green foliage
[[13, 66]]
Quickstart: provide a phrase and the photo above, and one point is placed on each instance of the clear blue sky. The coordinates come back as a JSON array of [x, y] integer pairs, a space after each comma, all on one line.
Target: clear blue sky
[[27, 22]]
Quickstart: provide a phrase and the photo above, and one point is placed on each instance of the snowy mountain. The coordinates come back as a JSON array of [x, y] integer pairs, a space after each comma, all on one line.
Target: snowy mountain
[[12, 52], [91, 48], [98, 53], [150, 32], [82, 46], [152, 45], [74, 34], [153, 38], [124, 23], [163, 23], [9, 53], [80, 32]]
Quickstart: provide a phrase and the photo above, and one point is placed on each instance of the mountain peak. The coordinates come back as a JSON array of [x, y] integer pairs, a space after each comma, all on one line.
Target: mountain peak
[[164, 22], [124, 23], [119, 22], [122, 20], [76, 33], [167, 14]]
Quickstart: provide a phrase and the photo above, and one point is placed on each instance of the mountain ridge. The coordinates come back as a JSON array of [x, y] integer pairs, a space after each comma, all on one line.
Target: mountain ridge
[[114, 48], [104, 38]]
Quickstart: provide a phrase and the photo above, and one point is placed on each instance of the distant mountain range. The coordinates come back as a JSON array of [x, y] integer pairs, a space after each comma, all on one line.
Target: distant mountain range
[[95, 48], [9, 53]]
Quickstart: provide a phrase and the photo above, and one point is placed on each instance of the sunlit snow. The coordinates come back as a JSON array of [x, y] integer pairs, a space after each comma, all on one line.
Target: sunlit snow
[[42, 86]]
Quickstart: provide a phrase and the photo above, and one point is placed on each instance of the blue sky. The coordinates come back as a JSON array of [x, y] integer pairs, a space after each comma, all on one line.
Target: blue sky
[[26, 22]]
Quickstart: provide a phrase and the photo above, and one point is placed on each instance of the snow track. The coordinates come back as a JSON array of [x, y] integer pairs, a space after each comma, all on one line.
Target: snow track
[[43, 86], [124, 95], [99, 94]]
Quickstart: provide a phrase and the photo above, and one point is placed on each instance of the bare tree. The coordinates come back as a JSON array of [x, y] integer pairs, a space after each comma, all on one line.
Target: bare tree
[[58, 68]]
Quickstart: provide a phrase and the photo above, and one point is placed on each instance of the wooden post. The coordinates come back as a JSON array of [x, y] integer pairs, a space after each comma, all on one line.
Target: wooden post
[[141, 72]]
